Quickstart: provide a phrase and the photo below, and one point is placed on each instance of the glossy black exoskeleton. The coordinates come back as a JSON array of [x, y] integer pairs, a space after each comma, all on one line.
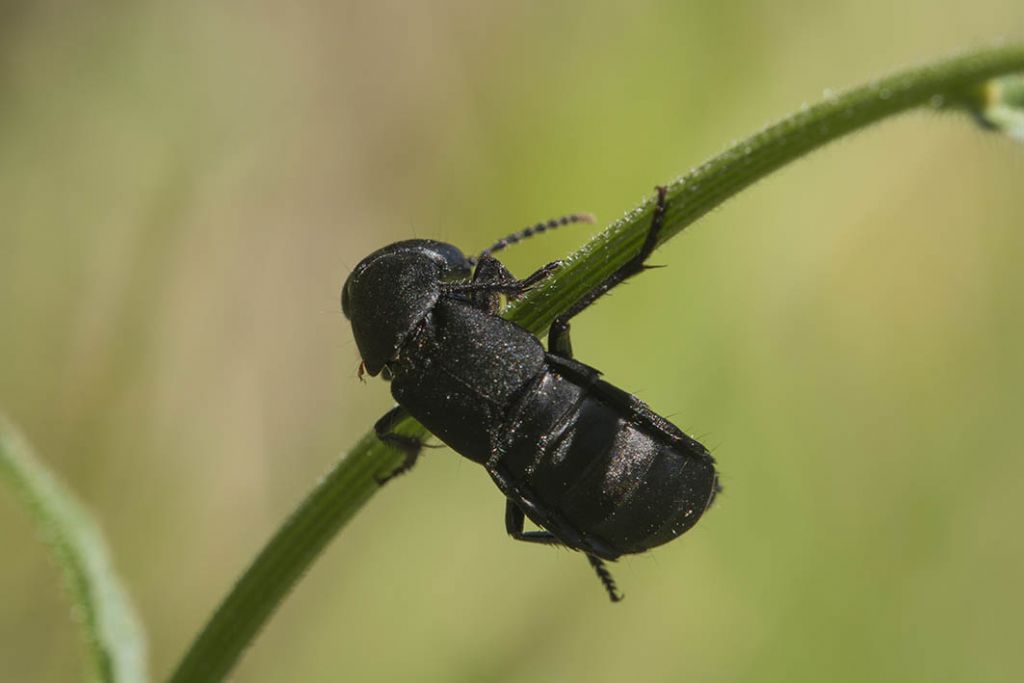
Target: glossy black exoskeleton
[[591, 465]]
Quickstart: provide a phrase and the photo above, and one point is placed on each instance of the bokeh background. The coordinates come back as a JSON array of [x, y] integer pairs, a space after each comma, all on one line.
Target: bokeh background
[[184, 187]]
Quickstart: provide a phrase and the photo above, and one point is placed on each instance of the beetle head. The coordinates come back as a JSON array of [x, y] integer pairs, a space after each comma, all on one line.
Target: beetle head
[[392, 290]]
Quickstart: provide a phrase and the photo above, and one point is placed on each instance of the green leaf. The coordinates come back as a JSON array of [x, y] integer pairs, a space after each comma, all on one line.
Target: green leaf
[[115, 639]]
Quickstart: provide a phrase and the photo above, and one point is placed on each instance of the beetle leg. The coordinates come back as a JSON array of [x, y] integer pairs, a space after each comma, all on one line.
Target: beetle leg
[[409, 445], [490, 269], [492, 278], [492, 273], [558, 335], [514, 521]]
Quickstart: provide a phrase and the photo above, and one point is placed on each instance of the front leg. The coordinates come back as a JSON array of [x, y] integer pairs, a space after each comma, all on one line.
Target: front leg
[[491, 271], [492, 279], [409, 445]]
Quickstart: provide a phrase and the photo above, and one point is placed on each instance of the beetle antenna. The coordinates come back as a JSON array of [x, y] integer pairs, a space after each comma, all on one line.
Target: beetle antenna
[[534, 230], [606, 577]]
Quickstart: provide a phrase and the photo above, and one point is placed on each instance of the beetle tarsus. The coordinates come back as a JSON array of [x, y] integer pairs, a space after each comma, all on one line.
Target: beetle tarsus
[[410, 446]]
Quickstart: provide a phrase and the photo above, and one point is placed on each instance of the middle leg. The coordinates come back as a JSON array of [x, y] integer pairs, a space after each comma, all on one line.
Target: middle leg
[[515, 519], [410, 446]]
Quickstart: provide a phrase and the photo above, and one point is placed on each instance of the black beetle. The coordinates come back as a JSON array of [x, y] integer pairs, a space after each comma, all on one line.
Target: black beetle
[[591, 465]]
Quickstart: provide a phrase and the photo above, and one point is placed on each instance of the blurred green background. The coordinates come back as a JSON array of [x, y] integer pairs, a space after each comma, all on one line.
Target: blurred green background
[[184, 187]]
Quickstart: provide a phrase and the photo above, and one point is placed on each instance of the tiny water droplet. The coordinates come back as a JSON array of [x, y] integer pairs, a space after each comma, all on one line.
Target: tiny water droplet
[[884, 93]]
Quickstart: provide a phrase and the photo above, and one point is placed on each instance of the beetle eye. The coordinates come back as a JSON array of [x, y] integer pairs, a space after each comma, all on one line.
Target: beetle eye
[[453, 263], [344, 301]]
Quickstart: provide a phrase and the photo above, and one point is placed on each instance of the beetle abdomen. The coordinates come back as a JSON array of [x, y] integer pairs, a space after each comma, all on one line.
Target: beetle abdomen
[[610, 474]]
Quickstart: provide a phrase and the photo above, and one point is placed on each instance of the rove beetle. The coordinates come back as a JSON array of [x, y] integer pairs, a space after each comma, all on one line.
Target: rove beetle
[[591, 465]]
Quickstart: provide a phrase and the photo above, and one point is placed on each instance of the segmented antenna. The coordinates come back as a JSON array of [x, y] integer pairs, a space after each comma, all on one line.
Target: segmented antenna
[[534, 230], [606, 577]]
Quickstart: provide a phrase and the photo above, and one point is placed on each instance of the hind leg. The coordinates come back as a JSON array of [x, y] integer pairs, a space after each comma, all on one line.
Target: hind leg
[[514, 521], [558, 335]]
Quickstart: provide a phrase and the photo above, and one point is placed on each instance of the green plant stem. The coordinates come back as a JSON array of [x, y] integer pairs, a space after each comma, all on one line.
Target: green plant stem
[[353, 479], [113, 635]]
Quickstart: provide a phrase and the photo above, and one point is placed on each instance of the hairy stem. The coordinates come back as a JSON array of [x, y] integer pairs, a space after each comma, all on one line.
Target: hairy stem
[[113, 634], [352, 481]]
